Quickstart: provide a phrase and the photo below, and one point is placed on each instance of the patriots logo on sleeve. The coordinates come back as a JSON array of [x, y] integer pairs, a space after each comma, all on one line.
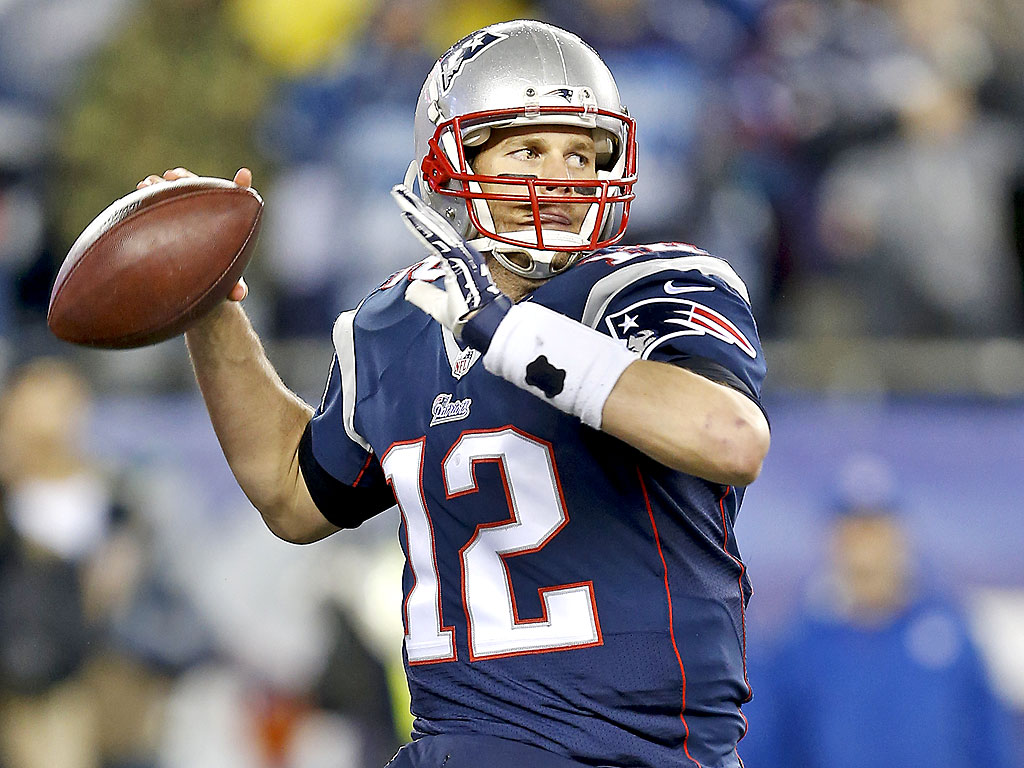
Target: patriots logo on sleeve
[[645, 324]]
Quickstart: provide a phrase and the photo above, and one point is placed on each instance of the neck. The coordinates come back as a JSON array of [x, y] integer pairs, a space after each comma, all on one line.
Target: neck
[[512, 285]]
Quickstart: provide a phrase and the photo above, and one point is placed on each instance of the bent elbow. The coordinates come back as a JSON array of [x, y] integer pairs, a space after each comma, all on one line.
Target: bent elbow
[[743, 473], [736, 462], [294, 523], [289, 533], [743, 463], [280, 523], [733, 456]]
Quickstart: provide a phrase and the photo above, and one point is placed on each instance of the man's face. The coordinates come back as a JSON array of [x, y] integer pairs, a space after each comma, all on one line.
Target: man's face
[[872, 560], [554, 152]]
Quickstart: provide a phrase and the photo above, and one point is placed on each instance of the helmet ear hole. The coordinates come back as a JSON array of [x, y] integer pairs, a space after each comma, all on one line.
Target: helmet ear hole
[[561, 260], [521, 259], [476, 137], [605, 145]]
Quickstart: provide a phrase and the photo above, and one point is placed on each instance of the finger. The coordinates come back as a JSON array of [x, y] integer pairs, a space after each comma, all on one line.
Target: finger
[[149, 180], [243, 177], [239, 291], [172, 174]]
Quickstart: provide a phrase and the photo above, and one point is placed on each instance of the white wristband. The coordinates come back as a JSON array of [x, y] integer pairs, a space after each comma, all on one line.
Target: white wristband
[[558, 359]]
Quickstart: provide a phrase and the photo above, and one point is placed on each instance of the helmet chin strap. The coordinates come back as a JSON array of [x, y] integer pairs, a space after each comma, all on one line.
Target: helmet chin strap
[[540, 261]]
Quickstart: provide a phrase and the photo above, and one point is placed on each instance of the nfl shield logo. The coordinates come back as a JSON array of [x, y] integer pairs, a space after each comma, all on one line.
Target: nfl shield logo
[[464, 362]]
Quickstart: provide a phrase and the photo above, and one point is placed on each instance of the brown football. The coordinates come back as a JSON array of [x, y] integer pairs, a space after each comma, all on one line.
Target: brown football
[[154, 262]]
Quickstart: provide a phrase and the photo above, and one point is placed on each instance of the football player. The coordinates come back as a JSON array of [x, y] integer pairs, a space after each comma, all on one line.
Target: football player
[[566, 425]]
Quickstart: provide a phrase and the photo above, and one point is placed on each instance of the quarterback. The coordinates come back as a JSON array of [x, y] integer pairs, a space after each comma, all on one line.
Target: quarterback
[[567, 426]]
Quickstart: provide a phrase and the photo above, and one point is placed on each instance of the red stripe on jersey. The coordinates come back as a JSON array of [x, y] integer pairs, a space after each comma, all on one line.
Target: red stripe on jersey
[[366, 466], [671, 623]]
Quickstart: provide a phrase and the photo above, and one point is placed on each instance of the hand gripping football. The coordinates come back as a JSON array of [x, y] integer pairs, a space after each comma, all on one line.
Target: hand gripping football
[[154, 262]]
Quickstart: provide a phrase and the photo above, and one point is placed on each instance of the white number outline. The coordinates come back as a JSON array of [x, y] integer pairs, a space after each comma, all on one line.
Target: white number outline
[[554, 599], [575, 601], [441, 647]]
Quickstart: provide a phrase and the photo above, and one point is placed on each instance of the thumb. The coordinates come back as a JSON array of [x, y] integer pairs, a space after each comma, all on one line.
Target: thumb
[[239, 291], [243, 177], [431, 300]]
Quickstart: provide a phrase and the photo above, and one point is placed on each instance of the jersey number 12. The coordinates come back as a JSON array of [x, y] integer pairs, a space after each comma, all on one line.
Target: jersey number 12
[[536, 515]]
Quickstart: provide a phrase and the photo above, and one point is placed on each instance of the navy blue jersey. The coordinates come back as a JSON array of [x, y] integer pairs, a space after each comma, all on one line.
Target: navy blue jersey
[[561, 588]]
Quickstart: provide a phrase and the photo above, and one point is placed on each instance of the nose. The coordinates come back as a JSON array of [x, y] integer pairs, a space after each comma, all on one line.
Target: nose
[[555, 167]]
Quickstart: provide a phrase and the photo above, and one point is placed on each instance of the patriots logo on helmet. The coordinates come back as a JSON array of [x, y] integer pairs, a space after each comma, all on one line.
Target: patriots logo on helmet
[[565, 93], [466, 50], [648, 323]]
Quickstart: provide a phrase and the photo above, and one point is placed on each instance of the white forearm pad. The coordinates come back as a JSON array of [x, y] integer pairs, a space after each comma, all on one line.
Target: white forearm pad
[[558, 359]]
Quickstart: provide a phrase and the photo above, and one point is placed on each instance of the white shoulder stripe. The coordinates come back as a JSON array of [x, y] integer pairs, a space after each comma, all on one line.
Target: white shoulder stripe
[[345, 349], [605, 289]]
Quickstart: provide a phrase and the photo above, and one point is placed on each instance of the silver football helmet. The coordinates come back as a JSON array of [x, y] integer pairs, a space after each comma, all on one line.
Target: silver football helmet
[[523, 73]]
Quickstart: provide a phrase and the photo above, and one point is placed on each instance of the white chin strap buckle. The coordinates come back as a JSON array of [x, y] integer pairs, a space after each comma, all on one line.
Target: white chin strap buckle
[[540, 261]]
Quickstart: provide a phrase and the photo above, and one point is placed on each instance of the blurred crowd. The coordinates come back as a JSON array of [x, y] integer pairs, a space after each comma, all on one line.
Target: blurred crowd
[[860, 163], [142, 625]]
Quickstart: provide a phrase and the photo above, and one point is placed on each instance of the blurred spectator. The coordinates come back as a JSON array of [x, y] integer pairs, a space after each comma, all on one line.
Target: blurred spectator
[[59, 583], [342, 139], [92, 632], [880, 669], [354, 686], [670, 59], [921, 226], [817, 78], [21, 235], [56, 514], [294, 682], [893, 213]]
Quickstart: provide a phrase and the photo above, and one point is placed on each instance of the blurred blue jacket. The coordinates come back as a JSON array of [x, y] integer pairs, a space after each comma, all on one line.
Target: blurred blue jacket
[[912, 693]]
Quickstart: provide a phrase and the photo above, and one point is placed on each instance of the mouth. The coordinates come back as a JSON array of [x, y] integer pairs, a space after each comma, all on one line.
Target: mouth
[[554, 218], [550, 217]]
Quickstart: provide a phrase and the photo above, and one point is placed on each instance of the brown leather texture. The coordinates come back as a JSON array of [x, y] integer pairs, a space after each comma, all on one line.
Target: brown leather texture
[[154, 262]]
